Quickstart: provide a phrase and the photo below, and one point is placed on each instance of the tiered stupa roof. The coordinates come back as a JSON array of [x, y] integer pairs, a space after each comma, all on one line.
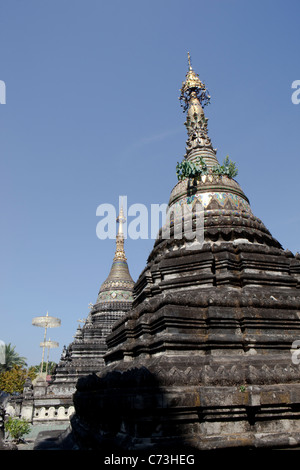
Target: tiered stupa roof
[[118, 286]]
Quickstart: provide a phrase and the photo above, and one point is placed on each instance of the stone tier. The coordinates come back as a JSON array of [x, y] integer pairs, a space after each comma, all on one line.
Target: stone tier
[[203, 360], [224, 281], [207, 184], [159, 409], [85, 354]]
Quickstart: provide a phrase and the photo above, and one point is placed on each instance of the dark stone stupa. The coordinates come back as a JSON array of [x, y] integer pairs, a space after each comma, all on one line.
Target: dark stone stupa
[[203, 358]]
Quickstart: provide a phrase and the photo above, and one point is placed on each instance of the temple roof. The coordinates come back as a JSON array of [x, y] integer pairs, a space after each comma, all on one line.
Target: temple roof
[[119, 284]]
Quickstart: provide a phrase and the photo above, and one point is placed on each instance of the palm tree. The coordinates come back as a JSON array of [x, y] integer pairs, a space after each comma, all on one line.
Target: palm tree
[[12, 358]]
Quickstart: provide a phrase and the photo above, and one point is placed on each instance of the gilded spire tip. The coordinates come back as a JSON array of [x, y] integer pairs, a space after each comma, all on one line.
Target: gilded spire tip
[[121, 217], [189, 61], [120, 253], [193, 86]]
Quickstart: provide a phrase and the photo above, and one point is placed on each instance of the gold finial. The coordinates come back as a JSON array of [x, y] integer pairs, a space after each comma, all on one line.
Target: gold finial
[[120, 252], [191, 86], [121, 219], [189, 60], [119, 277]]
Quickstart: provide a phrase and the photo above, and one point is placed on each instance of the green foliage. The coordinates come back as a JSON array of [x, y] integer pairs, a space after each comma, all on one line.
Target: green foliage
[[12, 381], [12, 358], [17, 427], [187, 169], [51, 367], [228, 168]]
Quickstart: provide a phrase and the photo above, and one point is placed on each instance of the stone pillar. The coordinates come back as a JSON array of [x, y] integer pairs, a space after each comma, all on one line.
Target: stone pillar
[[27, 403], [40, 387]]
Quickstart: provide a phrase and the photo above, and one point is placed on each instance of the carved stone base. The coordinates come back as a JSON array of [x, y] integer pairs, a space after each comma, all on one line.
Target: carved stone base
[[186, 403]]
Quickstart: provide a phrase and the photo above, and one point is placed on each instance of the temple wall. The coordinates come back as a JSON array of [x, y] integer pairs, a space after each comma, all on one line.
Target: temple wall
[[38, 406]]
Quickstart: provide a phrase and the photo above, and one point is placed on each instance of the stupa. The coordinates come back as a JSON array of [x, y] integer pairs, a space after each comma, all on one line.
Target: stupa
[[51, 401], [203, 359], [85, 354]]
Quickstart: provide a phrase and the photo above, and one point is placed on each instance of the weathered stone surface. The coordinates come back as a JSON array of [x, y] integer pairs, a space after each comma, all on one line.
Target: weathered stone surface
[[203, 359], [204, 366]]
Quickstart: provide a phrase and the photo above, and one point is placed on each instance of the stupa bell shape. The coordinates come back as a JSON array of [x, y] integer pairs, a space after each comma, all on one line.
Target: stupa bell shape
[[119, 284], [203, 358]]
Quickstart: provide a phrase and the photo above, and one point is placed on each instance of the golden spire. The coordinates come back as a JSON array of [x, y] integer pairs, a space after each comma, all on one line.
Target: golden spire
[[194, 96], [193, 87], [189, 60], [120, 252], [119, 284]]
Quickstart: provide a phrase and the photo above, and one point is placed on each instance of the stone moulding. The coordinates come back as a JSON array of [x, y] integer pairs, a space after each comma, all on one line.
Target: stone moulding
[[208, 184], [52, 413], [241, 265], [214, 414]]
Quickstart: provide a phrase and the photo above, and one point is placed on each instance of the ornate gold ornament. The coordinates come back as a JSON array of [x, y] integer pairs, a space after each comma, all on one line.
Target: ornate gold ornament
[[192, 87]]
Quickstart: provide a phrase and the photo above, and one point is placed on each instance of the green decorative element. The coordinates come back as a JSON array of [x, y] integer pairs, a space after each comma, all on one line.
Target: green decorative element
[[192, 170], [228, 168], [242, 388], [187, 169], [17, 427]]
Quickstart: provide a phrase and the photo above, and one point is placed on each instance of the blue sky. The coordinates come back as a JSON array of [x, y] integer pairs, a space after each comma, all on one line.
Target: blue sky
[[92, 112]]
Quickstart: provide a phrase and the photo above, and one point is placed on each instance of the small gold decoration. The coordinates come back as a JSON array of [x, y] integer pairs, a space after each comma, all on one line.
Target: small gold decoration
[[192, 86]]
